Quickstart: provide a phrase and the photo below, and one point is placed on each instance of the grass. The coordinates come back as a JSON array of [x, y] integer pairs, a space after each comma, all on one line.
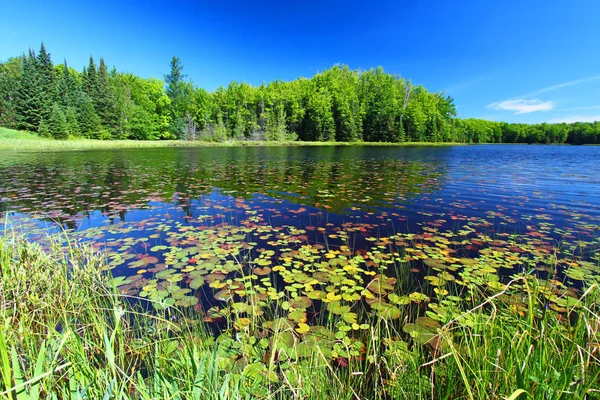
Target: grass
[[25, 141], [66, 332]]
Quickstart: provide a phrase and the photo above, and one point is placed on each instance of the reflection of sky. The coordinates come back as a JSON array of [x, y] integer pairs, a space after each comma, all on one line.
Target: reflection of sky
[[471, 181], [561, 175]]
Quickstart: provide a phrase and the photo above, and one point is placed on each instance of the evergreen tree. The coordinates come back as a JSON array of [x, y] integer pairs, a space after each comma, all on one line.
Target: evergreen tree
[[72, 124], [56, 124], [104, 102], [68, 88], [46, 80], [276, 124], [176, 91], [90, 80], [337, 104], [238, 128], [29, 102], [9, 83], [89, 122], [220, 132], [43, 129]]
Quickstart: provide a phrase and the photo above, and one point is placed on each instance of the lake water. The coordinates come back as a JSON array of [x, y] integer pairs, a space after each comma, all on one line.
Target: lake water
[[216, 224]]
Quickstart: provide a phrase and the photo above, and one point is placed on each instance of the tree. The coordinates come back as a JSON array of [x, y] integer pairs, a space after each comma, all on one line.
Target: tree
[[318, 123], [90, 80], [220, 132], [10, 72], [177, 91], [30, 101], [88, 120], [276, 124], [45, 70], [55, 125], [342, 84], [104, 102], [72, 123], [67, 88], [337, 104], [380, 95]]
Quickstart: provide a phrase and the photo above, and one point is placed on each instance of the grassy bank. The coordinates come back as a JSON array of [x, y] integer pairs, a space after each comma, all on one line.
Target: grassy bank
[[66, 332], [22, 141]]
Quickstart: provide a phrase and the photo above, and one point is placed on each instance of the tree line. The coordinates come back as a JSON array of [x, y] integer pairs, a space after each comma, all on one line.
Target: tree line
[[338, 104]]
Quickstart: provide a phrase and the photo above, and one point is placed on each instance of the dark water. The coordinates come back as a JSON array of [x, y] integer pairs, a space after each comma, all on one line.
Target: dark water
[[157, 209]]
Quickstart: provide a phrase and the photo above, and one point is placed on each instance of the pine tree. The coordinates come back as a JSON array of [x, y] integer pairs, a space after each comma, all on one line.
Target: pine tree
[[56, 124], [68, 89], [9, 81], [46, 80], [29, 101], [90, 80], [104, 102], [177, 92], [43, 129], [276, 125], [72, 123], [89, 122], [238, 127], [220, 132]]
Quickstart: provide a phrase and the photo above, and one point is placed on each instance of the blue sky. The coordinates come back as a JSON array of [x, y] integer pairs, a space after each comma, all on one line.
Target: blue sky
[[508, 60]]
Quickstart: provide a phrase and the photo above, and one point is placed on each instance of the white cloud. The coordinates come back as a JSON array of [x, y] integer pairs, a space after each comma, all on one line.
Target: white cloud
[[572, 119], [521, 106], [524, 104], [562, 85]]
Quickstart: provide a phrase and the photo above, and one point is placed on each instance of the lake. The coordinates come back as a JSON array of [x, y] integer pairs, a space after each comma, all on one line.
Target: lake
[[206, 227]]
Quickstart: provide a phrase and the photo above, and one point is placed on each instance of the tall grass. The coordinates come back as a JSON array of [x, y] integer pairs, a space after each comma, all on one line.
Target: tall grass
[[66, 332], [25, 141]]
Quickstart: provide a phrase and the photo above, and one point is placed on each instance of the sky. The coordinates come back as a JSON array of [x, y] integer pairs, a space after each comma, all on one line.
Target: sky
[[505, 60]]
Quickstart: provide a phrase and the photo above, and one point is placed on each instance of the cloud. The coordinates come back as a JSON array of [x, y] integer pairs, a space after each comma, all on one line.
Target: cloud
[[521, 106], [562, 85], [572, 119], [525, 104]]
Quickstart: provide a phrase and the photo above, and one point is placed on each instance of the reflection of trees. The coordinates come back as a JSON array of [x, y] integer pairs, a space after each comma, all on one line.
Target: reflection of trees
[[336, 184], [64, 185]]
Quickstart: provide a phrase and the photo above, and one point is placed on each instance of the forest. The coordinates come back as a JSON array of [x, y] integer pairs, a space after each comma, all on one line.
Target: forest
[[336, 105]]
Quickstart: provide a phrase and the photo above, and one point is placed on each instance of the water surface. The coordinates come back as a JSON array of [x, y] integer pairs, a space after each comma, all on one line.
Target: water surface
[[190, 217]]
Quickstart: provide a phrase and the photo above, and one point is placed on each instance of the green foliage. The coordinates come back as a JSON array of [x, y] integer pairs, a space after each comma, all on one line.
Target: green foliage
[[72, 124], [89, 122], [383, 99], [338, 104], [10, 72], [29, 99], [219, 132], [68, 88], [104, 100], [180, 94], [275, 124], [90, 79], [56, 125], [47, 81], [501, 345]]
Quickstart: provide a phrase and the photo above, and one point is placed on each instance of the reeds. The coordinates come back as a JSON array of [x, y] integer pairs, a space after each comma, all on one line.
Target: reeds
[[66, 332]]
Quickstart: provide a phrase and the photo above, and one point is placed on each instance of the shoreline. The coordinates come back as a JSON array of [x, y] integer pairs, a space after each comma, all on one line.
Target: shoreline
[[12, 140]]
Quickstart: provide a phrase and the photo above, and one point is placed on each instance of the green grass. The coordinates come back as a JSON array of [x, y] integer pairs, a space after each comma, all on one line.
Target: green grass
[[11, 134], [25, 141], [66, 332]]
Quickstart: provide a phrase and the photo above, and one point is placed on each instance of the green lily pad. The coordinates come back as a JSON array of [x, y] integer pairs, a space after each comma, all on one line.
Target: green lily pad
[[424, 330]]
